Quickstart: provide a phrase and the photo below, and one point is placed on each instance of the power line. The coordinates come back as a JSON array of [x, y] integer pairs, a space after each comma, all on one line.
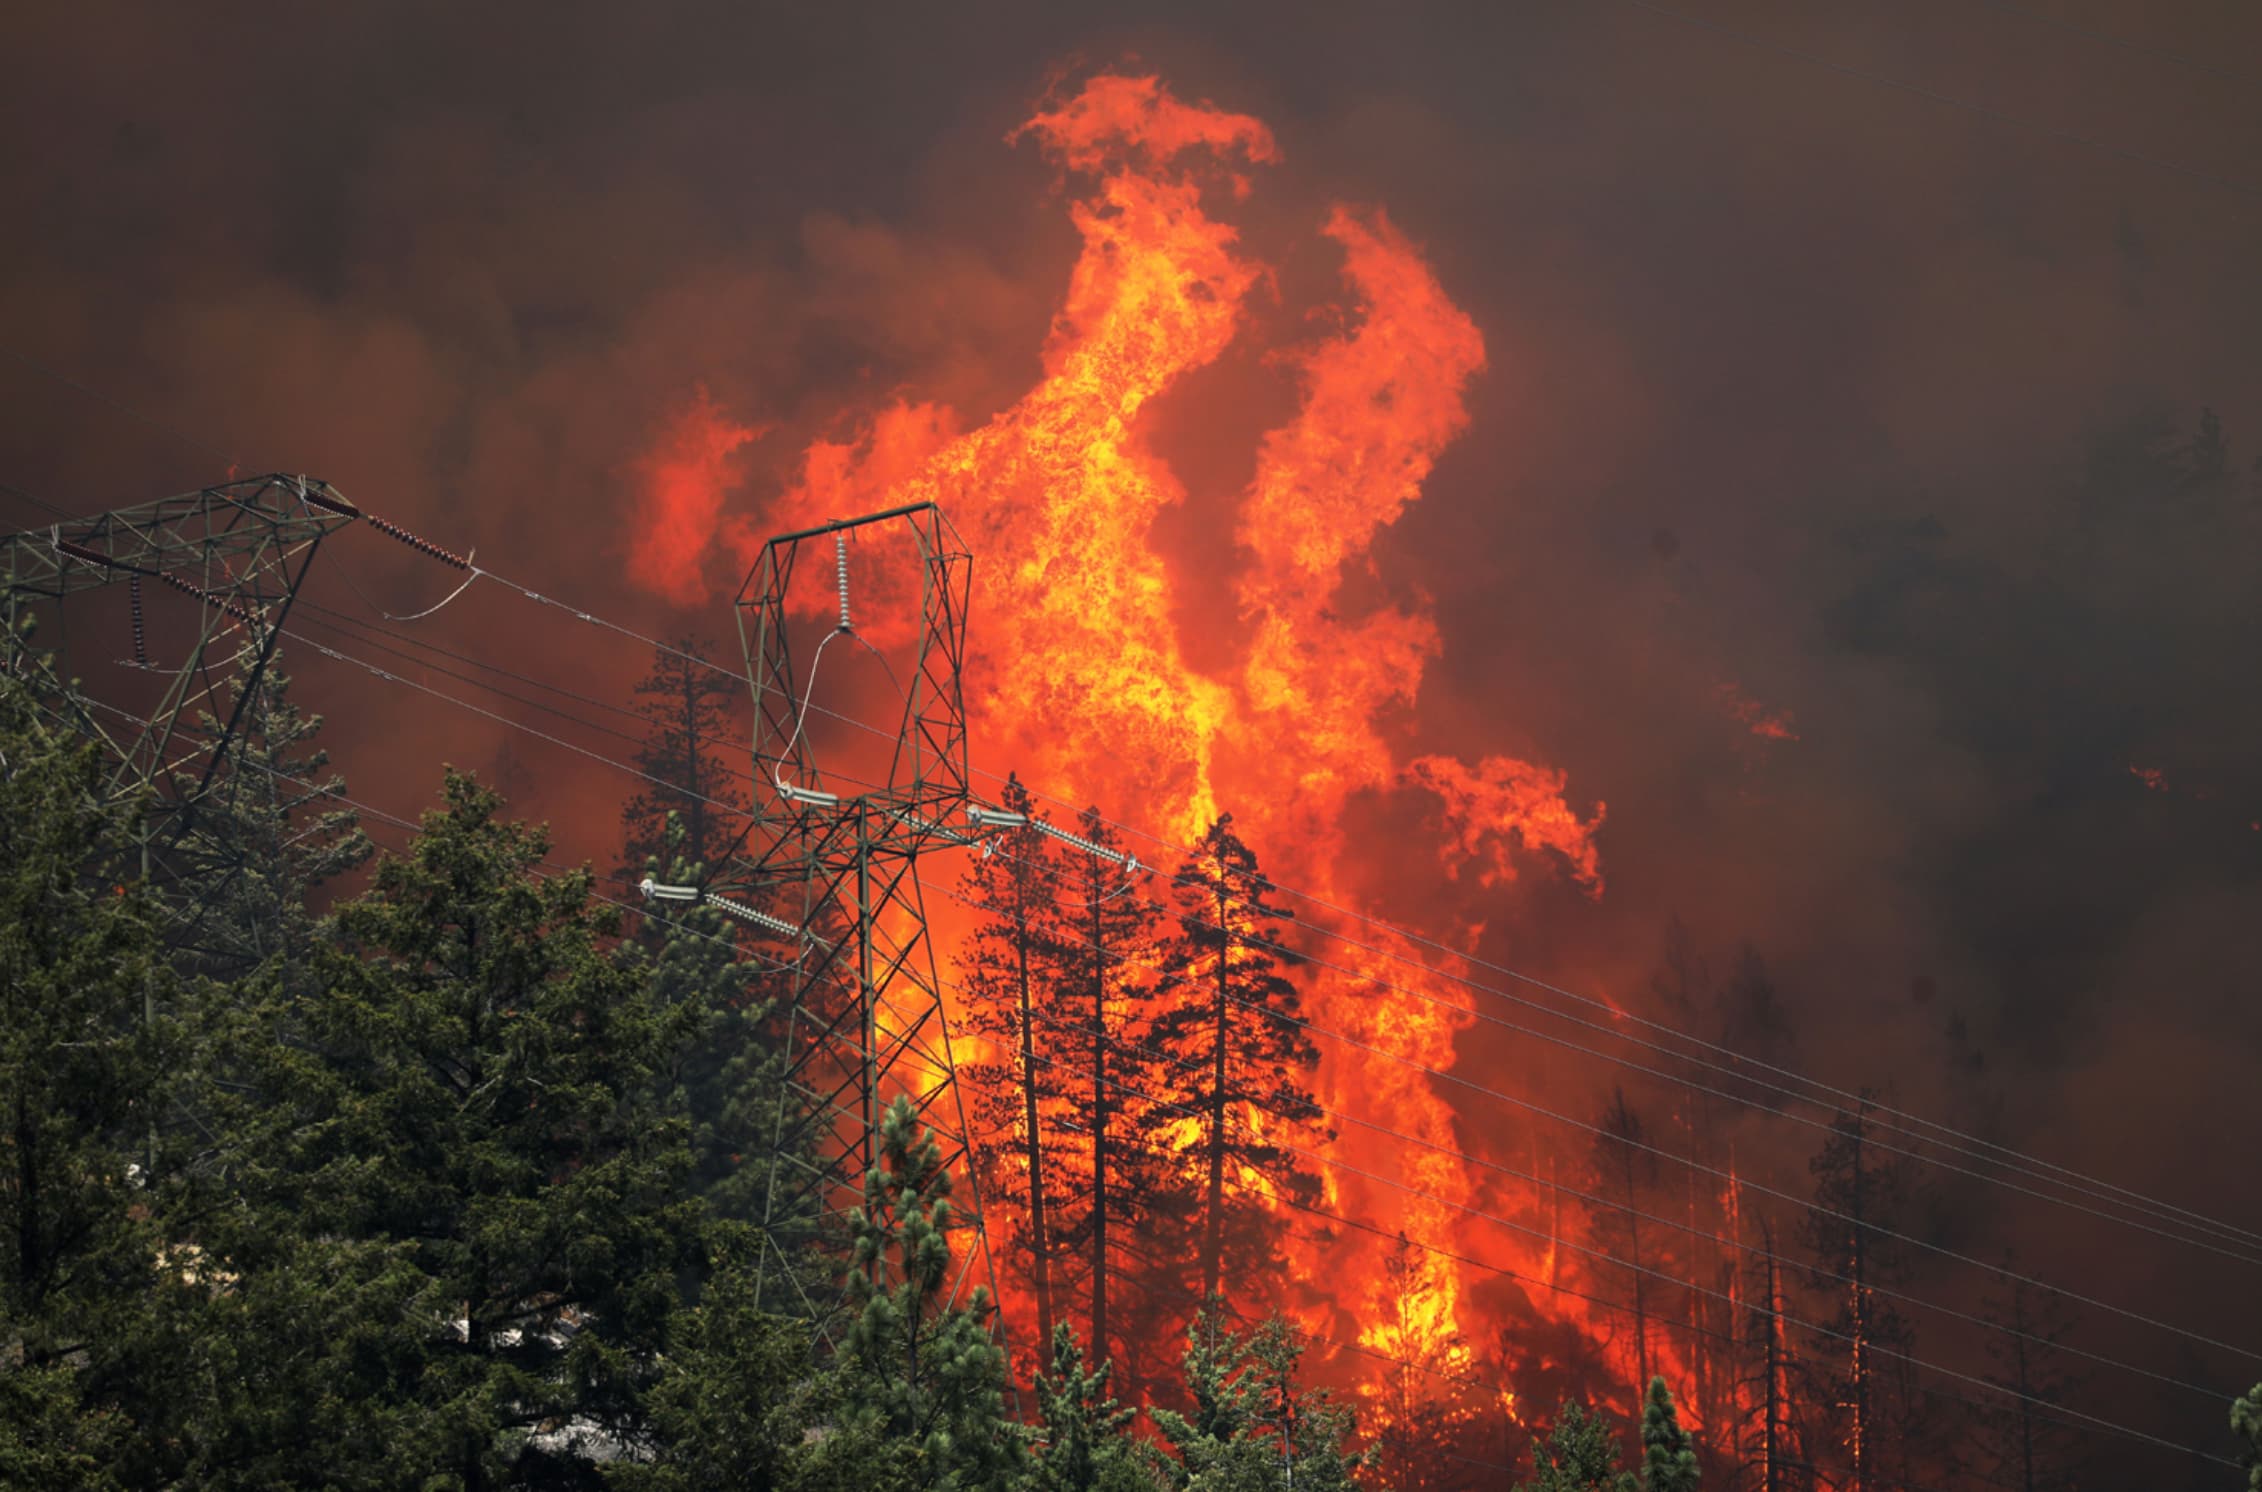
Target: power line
[[2091, 1186], [1125, 1045], [2075, 1178], [1434, 1073], [1667, 1277], [1694, 1086], [2004, 1155]]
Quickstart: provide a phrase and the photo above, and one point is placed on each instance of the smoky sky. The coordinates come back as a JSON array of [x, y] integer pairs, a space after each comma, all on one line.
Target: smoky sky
[[1879, 414]]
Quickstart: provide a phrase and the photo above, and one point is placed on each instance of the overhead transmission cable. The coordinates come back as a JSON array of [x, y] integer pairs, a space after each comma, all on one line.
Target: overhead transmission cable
[[1152, 1054], [1477, 1213], [1432, 1072], [2086, 1420], [1893, 1119], [1997, 1270], [597, 757]]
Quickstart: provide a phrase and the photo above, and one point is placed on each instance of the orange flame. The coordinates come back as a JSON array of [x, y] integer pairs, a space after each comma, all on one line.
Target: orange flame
[[684, 484], [1078, 678], [1767, 724]]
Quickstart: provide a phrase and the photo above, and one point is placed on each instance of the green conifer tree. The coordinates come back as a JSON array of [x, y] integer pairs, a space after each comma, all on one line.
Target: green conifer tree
[[921, 1371], [1669, 1461], [471, 1096], [276, 824], [1083, 1441], [1252, 1428], [2246, 1421], [1578, 1455], [741, 1406], [1231, 1027], [82, 1084], [728, 1078]]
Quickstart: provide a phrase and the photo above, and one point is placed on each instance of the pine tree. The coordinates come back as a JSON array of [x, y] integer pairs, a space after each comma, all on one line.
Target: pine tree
[[684, 757], [1775, 1382], [728, 1079], [1083, 1440], [1669, 1461], [1107, 941], [2246, 1421], [1579, 1455], [1421, 1403], [2031, 1450], [82, 1083], [472, 1098], [1009, 969], [919, 1369], [1252, 1428], [1231, 1023], [275, 823], [1860, 1193], [741, 1406]]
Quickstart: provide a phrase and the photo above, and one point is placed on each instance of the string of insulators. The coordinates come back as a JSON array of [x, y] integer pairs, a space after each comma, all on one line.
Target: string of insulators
[[421, 546], [323, 498], [998, 818], [235, 609], [840, 571], [655, 891], [133, 596]]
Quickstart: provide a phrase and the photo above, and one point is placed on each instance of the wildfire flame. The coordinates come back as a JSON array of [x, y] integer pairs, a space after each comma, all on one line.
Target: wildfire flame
[[1077, 676]]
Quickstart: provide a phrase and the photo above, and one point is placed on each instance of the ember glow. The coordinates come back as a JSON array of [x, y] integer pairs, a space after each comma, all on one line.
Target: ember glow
[[1078, 680]]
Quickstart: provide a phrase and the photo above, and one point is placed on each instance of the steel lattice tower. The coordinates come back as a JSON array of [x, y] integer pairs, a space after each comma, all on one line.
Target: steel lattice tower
[[238, 553], [830, 872]]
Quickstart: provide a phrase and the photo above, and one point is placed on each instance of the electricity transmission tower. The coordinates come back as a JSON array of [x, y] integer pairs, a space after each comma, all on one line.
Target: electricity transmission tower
[[828, 874], [222, 568], [827, 871]]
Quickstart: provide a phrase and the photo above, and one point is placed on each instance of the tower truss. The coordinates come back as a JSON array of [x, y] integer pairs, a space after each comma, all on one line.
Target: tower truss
[[209, 578], [827, 874]]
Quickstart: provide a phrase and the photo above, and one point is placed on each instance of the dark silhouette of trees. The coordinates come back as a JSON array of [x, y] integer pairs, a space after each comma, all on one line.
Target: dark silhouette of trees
[[1860, 1197], [1106, 962], [1231, 1023], [1010, 968], [685, 757], [2031, 1450]]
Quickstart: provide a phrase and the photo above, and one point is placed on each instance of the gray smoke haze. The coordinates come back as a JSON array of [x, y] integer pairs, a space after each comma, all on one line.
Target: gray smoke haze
[[1873, 412]]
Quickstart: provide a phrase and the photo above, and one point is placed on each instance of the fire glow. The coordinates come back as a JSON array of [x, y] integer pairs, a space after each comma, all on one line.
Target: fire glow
[[1077, 678]]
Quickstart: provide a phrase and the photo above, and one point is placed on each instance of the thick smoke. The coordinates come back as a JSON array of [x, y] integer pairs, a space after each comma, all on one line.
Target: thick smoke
[[1806, 401]]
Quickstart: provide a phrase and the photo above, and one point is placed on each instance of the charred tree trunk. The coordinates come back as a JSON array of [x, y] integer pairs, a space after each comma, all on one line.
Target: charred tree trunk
[[1858, 1364], [1213, 1242], [1040, 1241], [1634, 1258], [1100, 1106]]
